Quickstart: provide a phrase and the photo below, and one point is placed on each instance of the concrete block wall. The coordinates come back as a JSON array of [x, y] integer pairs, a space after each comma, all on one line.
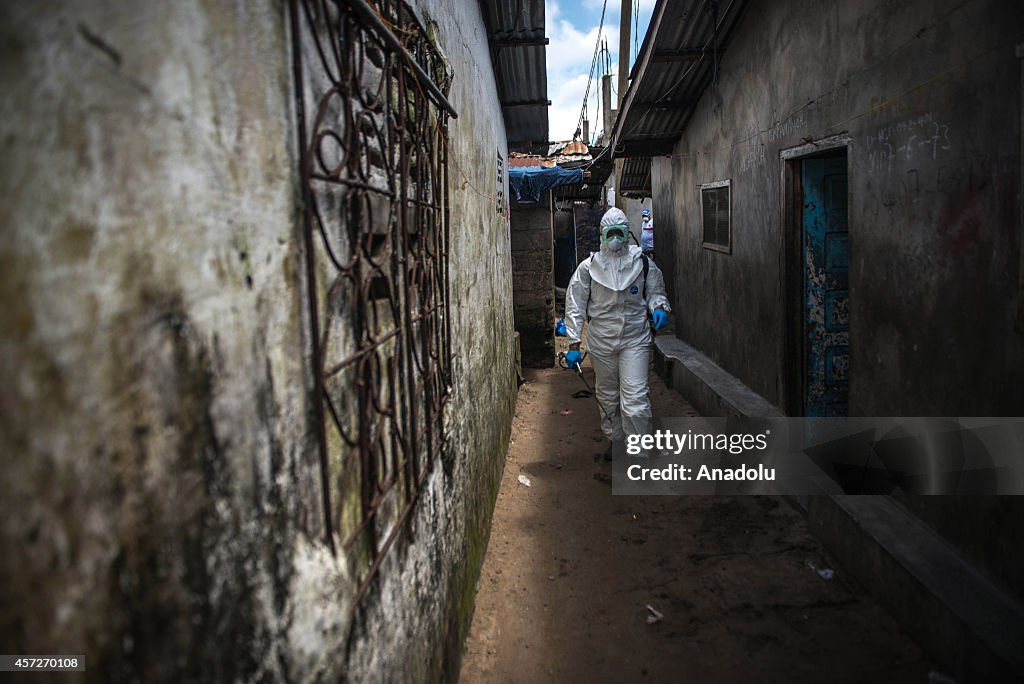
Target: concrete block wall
[[160, 493], [533, 268]]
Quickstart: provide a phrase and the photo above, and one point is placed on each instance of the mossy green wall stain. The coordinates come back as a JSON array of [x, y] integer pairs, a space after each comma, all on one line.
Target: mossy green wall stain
[[479, 512]]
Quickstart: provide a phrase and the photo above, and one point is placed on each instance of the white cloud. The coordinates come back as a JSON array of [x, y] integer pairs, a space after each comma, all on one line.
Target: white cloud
[[570, 53], [565, 107], [570, 49]]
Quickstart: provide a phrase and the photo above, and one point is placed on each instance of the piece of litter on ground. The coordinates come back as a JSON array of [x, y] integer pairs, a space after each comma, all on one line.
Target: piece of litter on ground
[[823, 573], [655, 616], [523, 480], [566, 412]]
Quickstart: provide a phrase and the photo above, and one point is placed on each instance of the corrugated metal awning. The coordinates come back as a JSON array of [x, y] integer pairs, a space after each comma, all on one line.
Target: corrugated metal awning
[[515, 32], [678, 60]]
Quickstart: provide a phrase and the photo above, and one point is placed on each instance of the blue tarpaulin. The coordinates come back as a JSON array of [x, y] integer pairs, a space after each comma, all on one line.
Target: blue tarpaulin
[[528, 183]]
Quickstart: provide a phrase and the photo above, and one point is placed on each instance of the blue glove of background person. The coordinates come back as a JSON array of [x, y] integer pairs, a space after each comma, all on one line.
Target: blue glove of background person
[[660, 319], [560, 328], [572, 357]]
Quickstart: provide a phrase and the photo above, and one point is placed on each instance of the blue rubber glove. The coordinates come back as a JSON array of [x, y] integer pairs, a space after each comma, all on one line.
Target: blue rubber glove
[[572, 357], [560, 328], [660, 319]]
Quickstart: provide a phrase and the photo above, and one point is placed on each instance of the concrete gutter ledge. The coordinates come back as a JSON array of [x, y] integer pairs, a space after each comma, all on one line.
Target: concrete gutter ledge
[[706, 385], [964, 621], [958, 615]]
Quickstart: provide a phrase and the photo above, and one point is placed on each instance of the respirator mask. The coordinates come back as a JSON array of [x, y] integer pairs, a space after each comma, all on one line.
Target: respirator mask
[[614, 237]]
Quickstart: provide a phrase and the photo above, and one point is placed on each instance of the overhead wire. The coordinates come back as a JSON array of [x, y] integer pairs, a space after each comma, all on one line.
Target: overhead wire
[[636, 30], [593, 65], [605, 63]]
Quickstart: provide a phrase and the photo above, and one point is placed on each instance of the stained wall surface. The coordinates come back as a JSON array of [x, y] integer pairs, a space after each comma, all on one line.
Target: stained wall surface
[[161, 480], [929, 96]]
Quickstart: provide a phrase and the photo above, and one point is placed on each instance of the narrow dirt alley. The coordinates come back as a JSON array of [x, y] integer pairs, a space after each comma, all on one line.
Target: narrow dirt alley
[[570, 570]]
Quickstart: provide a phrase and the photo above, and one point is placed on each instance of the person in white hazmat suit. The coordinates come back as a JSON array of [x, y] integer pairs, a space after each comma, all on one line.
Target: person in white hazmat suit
[[607, 289]]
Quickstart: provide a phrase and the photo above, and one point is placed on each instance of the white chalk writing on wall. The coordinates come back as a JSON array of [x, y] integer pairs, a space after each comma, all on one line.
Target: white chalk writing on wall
[[938, 185], [752, 158], [906, 141], [787, 127]]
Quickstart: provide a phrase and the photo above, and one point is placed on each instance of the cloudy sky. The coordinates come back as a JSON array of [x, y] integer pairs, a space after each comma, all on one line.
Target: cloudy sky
[[572, 31]]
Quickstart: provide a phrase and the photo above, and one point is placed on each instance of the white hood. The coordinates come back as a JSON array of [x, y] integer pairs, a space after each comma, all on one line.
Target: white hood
[[616, 270]]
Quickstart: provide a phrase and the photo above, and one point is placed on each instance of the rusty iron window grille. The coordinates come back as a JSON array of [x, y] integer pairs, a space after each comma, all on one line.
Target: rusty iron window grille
[[372, 117]]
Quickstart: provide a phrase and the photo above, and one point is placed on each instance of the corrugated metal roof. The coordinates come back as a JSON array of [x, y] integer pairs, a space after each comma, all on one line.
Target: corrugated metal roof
[[597, 167], [636, 177], [515, 31], [518, 160], [678, 60], [569, 147]]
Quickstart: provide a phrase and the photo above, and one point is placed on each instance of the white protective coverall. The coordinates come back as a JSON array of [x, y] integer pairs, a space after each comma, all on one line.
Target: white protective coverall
[[647, 233], [607, 288]]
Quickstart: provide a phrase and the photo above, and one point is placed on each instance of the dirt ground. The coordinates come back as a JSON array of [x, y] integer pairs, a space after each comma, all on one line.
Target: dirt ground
[[570, 570]]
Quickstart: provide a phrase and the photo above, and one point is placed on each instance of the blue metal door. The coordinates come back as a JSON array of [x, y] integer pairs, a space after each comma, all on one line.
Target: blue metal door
[[826, 257]]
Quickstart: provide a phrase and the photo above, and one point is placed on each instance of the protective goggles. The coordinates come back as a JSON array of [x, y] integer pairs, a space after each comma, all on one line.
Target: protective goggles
[[609, 232]]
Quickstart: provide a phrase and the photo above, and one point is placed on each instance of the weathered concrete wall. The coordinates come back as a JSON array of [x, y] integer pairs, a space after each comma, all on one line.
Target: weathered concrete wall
[[154, 422], [929, 94], [533, 268], [161, 479]]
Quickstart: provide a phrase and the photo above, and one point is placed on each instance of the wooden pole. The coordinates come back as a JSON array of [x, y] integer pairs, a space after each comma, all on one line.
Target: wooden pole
[[625, 13]]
